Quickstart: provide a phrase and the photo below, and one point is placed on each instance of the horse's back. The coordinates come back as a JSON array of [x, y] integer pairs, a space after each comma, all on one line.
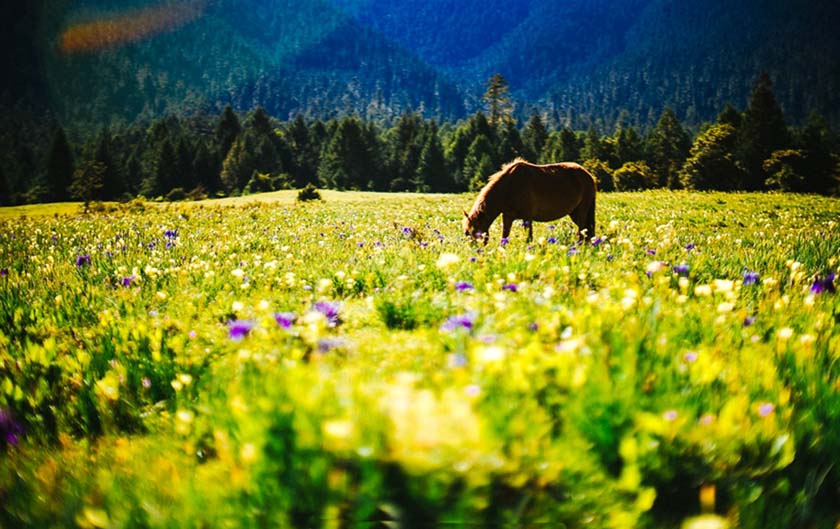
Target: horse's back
[[547, 192]]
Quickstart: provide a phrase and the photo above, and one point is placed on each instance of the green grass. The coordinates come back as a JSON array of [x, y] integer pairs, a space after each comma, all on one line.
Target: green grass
[[260, 362]]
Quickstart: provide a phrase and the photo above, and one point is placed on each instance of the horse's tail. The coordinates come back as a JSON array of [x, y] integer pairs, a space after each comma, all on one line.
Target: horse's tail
[[590, 218], [590, 213]]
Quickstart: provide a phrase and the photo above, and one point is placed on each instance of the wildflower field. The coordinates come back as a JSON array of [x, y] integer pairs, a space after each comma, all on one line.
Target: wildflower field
[[357, 360]]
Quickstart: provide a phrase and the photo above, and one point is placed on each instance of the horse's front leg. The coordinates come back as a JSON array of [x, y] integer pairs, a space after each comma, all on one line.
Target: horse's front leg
[[507, 223]]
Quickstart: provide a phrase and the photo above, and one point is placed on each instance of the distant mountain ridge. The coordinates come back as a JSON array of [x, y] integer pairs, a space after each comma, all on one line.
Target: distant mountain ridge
[[579, 62]]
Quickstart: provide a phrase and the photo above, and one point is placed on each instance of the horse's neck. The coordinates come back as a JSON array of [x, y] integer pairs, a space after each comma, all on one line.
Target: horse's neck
[[493, 199]]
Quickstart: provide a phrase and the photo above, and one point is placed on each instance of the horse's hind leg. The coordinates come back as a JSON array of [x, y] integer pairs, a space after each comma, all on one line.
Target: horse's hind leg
[[581, 217]]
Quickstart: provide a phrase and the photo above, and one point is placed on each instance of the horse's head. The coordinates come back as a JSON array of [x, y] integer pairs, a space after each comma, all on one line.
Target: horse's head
[[475, 225]]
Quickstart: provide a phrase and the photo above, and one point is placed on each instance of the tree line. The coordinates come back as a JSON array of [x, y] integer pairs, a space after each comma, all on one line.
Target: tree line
[[230, 154]]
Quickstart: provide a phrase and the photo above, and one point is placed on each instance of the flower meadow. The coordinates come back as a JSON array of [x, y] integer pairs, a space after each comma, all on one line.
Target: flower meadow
[[355, 361]]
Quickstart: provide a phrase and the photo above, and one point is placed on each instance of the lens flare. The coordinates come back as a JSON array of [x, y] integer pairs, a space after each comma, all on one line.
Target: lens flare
[[128, 26]]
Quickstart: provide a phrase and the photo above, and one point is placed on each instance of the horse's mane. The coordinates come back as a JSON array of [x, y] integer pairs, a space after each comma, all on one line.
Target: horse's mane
[[481, 199]]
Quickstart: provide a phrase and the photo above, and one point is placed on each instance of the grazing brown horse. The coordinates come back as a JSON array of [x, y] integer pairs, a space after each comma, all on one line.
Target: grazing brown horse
[[522, 190]]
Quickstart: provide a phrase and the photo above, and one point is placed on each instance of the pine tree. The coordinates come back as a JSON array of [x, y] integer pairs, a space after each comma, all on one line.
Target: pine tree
[[478, 165], [628, 145], [497, 99], [304, 152], [348, 160], [431, 171], [459, 146], [762, 132], [227, 129], [712, 163], [87, 182], [534, 137], [5, 189], [403, 146], [59, 167], [205, 169], [160, 181], [667, 147], [510, 144], [594, 148], [113, 186], [817, 142], [730, 116]]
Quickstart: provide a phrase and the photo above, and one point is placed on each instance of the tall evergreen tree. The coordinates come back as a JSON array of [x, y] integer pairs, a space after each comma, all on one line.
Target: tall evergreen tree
[[348, 160], [59, 167], [730, 116], [628, 145], [510, 144], [459, 146], [304, 152], [534, 137], [712, 163], [667, 149], [227, 129], [478, 165], [206, 169], [497, 99], [5, 189], [403, 146], [594, 148], [432, 173], [762, 132], [113, 185], [161, 180], [87, 182], [817, 142]]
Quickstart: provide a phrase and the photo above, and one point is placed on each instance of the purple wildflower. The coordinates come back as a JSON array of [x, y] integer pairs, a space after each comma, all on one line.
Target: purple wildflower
[[83, 260], [572, 251], [690, 357], [749, 320], [765, 409], [690, 246], [533, 326], [325, 345], [504, 241], [473, 259], [597, 241], [650, 251], [551, 240], [329, 310], [510, 287], [456, 360], [284, 319], [681, 269], [170, 234], [127, 280], [406, 231], [239, 329], [462, 286], [460, 321], [147, 382], [10, 429], [169, 244], [751, 278], [4, 272], [823, 284]]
